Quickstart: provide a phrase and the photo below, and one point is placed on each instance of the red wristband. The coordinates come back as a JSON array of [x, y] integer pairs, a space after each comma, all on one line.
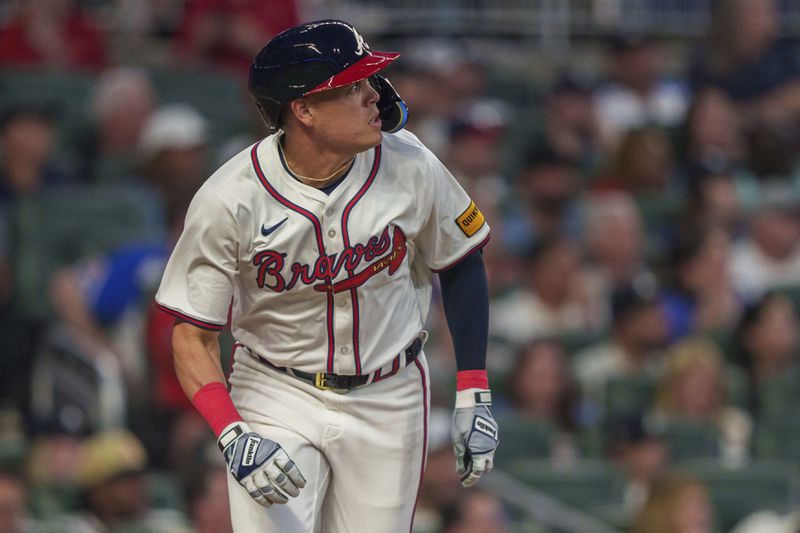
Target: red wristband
[[471, 379], [214, 403]]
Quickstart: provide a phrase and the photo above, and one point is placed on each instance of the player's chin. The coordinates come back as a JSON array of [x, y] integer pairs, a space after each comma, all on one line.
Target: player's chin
[[372, 137]]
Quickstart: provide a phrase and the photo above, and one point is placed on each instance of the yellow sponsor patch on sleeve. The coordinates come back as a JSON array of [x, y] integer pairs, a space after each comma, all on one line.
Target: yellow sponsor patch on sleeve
[[471, 220]]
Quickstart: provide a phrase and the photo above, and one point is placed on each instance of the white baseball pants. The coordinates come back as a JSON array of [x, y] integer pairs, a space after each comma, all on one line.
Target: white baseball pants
[[362, 453]]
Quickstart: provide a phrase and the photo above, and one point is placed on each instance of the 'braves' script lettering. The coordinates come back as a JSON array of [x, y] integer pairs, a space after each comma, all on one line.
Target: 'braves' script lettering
[[389, 252]]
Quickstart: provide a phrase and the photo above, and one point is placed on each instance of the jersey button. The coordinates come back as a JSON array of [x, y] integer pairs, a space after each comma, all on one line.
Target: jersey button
[[329, 212], [344, 349], [331, 233]]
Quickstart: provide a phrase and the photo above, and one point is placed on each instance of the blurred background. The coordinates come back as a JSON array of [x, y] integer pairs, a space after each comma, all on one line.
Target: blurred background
[[636, 159]]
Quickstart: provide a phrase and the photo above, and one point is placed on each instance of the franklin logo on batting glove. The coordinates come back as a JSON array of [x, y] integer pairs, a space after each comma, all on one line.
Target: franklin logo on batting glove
[[260, 465], [474, 434]]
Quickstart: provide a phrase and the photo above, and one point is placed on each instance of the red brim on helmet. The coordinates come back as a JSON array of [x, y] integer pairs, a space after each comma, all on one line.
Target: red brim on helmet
[[372, 63]]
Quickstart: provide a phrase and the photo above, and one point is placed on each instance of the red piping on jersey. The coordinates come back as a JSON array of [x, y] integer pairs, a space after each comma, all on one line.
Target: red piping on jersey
[[346, 238], [191, 320], [317, 231], [469, 253], [393, 371], [424, 436]]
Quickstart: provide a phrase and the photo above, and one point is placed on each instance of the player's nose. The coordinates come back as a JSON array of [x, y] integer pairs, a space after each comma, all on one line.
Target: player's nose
[[372, 95]]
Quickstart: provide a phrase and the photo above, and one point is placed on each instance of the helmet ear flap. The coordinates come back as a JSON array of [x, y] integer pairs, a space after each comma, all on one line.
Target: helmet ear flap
[[270, 112], [392, 109]]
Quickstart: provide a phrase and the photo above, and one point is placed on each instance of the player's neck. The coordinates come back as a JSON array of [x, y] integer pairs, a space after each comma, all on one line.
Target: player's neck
[[312, 166]]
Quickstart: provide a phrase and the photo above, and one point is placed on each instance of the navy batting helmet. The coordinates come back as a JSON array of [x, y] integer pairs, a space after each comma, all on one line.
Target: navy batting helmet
[[318, 56]]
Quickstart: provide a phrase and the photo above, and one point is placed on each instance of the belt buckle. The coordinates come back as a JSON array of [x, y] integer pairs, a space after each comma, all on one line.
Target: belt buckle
[[320, 382]]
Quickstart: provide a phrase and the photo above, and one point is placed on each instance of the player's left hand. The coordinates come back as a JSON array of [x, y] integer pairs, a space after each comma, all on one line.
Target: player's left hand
[[474, 433]]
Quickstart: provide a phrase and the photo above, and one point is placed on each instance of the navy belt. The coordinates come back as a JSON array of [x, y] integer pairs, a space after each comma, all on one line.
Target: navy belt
[[346, 383]]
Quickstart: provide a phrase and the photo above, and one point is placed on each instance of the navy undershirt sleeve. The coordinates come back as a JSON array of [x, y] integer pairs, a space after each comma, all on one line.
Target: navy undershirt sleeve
[[465, 295]]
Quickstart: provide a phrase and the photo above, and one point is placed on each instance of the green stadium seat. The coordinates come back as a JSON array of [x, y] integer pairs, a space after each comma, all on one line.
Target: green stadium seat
[[523, 438], [50, 501], [220, 98], [64, 225], [659, 215], [587, 484], [629, 394], [778, 440], [526, 527], [738, 492], [574, 342], [164, 491], [69, 92], [691, 440], [778, 398], [738, 385]]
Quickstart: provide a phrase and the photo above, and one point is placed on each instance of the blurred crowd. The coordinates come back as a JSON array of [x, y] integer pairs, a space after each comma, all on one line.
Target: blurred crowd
[[644, 265]]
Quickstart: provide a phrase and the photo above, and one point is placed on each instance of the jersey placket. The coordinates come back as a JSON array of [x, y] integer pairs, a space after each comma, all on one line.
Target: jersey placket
[[353, 293], [321, 248], [340, 308]]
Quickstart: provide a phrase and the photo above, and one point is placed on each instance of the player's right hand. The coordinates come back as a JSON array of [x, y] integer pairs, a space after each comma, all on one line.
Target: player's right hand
[[260, 465]]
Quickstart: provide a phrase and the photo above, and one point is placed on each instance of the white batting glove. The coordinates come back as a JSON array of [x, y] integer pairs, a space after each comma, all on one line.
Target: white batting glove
[[260, 465], [474, 433]]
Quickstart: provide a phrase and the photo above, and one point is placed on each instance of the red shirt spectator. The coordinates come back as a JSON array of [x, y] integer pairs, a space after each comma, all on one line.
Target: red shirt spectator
[[229, 33], [52, 33]]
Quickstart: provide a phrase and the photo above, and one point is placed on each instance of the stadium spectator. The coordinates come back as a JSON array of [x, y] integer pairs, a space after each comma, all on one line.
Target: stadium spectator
[[545, 201], [421, 92], [552, 299], [122, 101], [477, 511], [694, 389], [569, 123], [174, 153], [27, 147], [700, 296], [53, 463], [112, 477], [207, 493], [541, 389], [743, 56], [56, 34], [638, 449], [677, 503], [713, 201], [638, 332], [713, 134], [767, 339], [476, 135], [769, 255], [108, 300], [440, 486], [639, 93], [27, 168], [14, 517], [474, 156], [643, 165], [228, 34], [438, 80], [614, 242], [159, 19]]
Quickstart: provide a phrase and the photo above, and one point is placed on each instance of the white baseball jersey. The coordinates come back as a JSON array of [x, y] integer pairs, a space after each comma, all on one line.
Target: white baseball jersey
[[316, 282]]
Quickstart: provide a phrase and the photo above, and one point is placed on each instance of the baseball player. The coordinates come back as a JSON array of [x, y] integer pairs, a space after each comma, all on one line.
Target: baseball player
[[319, 242]]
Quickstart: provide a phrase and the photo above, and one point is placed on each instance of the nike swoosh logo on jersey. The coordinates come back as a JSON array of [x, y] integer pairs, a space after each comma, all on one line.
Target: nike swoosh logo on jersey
[[267, 231]]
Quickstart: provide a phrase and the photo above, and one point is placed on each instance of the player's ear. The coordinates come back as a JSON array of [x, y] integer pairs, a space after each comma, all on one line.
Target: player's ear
[[301, 111]]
